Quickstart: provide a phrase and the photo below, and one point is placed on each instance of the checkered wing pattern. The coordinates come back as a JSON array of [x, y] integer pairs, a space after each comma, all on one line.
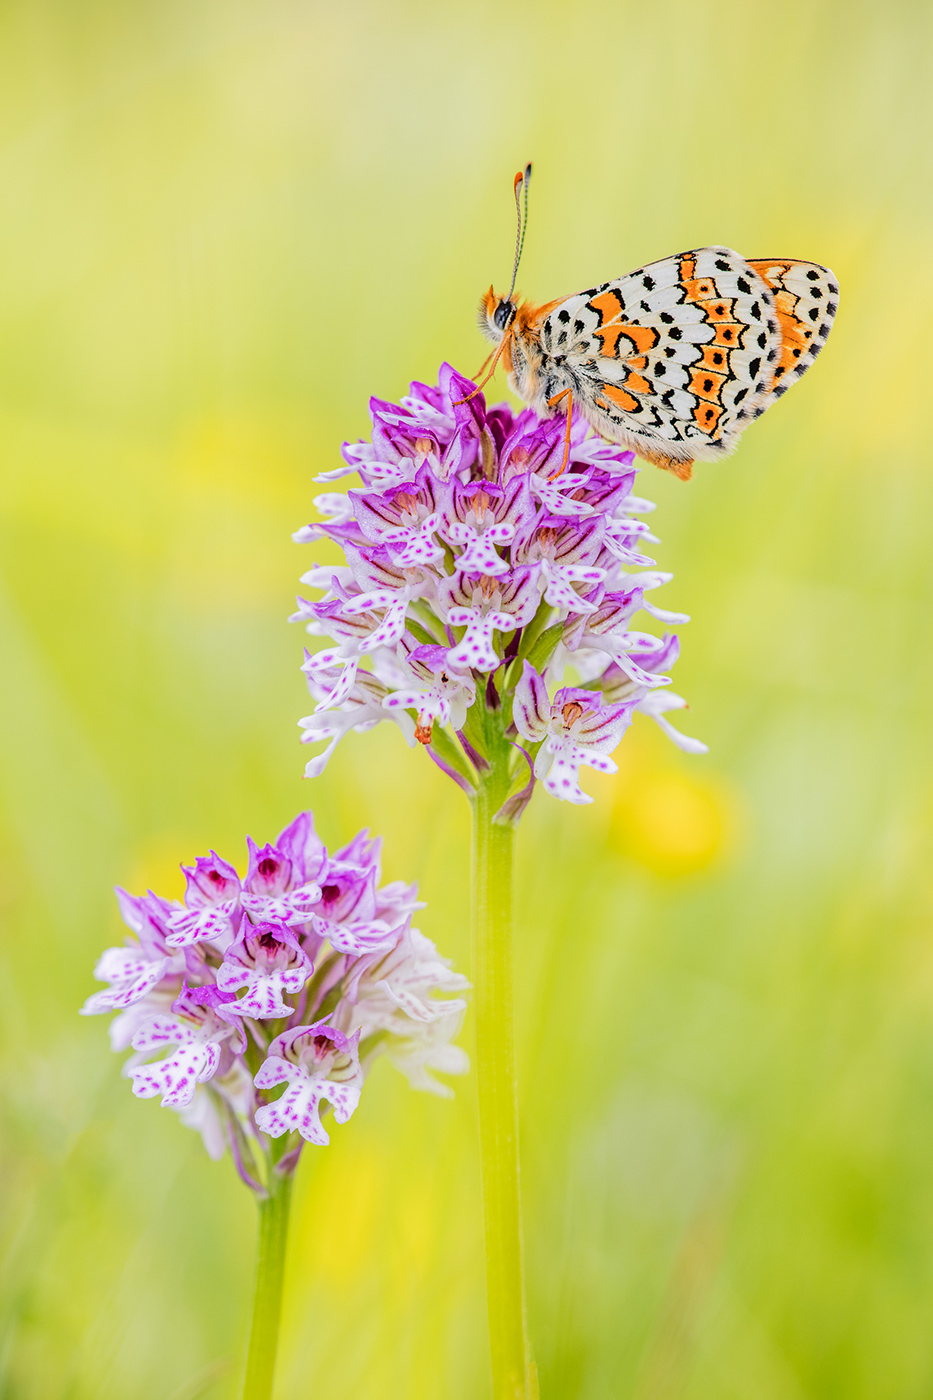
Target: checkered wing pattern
[[679, 356], [805, 296]]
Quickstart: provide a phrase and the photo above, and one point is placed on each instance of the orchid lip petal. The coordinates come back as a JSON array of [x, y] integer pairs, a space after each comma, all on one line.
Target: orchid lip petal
[[474, 522], [185, 1010]]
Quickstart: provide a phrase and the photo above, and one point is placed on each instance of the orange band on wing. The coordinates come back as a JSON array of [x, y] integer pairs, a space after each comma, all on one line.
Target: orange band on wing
[[699, 288], [719, 309], [707, 386], [620, 398], [642, 338], [728, 333], [796, 336], [707, 416], [608, 304], [609, 341], [712, 358]]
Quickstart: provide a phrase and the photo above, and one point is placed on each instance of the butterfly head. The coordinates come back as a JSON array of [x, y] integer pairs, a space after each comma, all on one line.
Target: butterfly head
[[496, 314]]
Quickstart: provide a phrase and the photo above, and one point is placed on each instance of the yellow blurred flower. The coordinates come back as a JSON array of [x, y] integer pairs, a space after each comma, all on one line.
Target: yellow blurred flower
[[674, 822]]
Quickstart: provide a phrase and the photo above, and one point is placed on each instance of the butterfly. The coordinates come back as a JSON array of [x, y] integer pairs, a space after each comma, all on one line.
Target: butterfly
[[673, 360]]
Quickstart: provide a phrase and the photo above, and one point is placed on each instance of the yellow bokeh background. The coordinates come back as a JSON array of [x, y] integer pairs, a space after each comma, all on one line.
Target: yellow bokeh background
[[223, 226]]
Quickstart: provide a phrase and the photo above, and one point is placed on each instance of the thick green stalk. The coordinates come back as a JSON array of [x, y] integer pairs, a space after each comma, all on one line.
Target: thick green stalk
[[267, 1299], [512, 1373]]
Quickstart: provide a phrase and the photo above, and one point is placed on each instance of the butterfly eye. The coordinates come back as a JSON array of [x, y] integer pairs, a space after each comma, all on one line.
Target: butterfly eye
[[503, 315]]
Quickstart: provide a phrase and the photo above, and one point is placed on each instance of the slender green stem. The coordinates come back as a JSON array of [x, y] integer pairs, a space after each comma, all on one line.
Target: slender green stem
[[512, 1372], [267, 1299]]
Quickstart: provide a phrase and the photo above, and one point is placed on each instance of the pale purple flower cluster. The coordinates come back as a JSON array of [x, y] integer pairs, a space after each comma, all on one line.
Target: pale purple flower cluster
[[482, 561], [299, 973]]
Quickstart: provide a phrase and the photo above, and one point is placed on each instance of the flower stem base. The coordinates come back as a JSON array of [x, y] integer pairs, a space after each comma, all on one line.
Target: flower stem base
[[512, 1370], [267, 1299]]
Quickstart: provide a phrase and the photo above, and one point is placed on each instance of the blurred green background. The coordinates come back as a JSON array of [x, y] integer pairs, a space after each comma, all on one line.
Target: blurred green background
[[223, 225]]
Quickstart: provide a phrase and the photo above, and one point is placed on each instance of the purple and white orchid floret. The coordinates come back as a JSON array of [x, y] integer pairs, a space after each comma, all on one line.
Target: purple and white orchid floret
[[473, 549], [300, 972]]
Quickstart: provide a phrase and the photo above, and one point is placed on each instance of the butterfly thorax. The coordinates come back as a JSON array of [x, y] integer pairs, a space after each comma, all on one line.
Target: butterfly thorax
[[534, 376]]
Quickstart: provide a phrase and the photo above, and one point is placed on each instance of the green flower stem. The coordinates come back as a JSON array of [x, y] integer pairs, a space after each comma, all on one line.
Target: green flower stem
[[512, 1371], [267, 1299]]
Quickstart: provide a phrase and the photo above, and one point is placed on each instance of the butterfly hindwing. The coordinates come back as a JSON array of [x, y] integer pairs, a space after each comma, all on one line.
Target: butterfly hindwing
[[806, 297]]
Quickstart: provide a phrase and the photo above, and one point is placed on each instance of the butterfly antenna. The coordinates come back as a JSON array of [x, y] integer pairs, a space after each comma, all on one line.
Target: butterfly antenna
[[522, 181]]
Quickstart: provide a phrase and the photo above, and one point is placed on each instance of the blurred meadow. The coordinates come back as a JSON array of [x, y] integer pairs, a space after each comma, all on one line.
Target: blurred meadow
[[223, 226]]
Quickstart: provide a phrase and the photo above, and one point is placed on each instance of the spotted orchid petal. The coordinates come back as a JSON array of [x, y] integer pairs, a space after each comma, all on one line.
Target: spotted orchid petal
[[334, 941], [531, 709], [317, 1063]]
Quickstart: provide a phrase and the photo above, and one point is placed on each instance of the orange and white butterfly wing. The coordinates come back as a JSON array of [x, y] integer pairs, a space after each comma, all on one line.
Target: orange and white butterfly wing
[[806, 297], [676, 358]]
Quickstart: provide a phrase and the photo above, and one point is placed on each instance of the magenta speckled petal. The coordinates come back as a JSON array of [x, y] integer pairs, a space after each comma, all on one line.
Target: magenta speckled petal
[[474, 525], [197, 984]]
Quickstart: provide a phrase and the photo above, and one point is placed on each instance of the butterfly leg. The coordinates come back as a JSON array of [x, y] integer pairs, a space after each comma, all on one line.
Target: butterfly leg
[[552, 403], [492, 369], [483, 366]]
